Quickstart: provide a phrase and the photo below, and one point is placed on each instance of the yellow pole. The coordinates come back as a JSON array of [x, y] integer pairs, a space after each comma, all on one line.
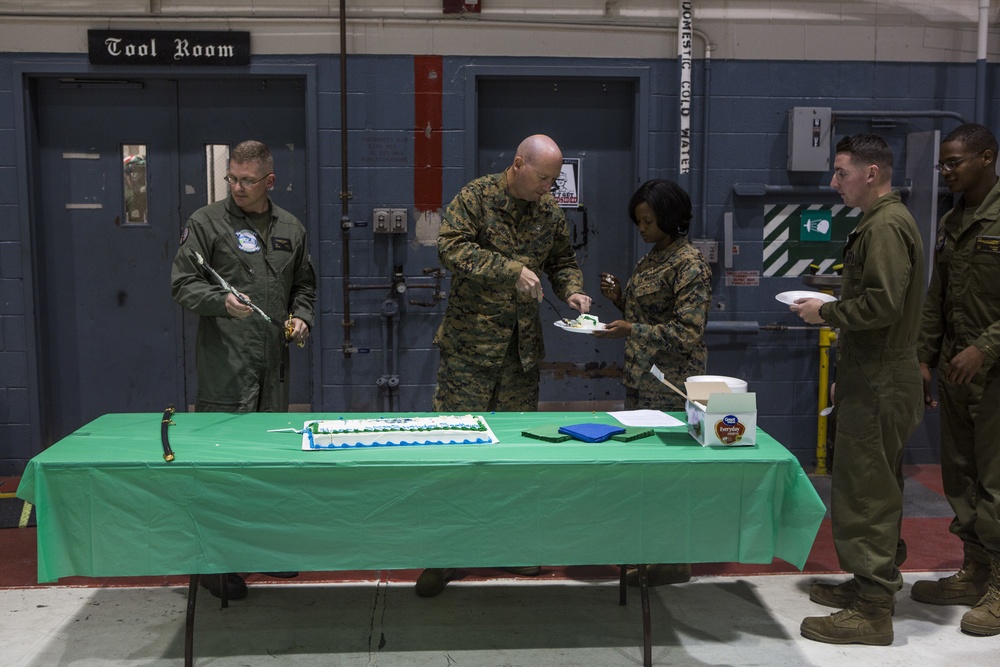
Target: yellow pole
[[827, 336]]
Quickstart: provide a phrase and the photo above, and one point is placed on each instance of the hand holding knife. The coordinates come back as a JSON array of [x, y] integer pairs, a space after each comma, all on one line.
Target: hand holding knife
[[232, 290]]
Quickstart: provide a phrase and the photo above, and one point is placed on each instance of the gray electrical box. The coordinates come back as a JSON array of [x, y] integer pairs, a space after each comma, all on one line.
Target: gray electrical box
[[809, 138]]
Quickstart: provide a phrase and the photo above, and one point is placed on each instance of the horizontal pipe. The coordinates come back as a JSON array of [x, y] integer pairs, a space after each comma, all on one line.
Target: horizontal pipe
[[733, 327], [860, 113], [761, 189]]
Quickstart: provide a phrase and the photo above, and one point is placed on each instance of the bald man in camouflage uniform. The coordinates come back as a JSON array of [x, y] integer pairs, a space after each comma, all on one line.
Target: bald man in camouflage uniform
[[498, 234]]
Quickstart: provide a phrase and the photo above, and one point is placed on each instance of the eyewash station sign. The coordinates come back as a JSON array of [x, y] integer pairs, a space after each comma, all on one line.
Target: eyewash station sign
[[168, 47], [796, 236]]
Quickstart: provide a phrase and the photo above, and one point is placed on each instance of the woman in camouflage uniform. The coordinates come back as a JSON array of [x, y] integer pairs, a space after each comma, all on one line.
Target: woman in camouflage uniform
[[665, 303], [665, 308]]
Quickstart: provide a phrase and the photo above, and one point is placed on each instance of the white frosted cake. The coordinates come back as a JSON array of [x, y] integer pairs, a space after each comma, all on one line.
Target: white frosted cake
[[397, 431]]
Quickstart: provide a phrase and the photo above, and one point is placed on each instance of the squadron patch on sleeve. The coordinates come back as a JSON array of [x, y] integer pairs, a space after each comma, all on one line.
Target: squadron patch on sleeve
[[942, 240], [246, 239], [184, 235]]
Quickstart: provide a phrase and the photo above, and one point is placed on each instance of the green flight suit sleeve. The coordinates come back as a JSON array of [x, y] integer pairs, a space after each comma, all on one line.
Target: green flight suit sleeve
[[190, 284], [881, 284], [303, 291], [932, 323]]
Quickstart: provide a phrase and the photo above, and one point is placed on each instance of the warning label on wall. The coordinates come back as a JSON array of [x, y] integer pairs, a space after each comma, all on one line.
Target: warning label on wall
[[742, 278]]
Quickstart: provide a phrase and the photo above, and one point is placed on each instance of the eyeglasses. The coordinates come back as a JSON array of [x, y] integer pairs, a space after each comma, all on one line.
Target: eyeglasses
[[244, 182], [949, 165]]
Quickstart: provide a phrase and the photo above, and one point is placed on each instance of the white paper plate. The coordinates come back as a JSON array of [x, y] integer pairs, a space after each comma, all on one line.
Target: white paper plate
[[796, 294], [584, 330]]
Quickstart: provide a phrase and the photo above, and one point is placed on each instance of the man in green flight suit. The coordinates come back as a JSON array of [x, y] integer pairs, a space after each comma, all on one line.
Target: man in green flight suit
[[497, 236], [960, 337], [260, 250], [879, 394]]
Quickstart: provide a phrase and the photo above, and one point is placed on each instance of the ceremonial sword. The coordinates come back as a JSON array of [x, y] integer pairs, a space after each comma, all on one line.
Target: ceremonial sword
[[232, 290]]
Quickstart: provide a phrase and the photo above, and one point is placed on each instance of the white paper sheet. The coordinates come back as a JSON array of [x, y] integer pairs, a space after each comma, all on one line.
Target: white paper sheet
[[645, 418]]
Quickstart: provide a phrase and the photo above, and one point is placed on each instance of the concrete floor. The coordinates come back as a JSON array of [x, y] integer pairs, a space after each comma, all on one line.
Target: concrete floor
[[712, 620]]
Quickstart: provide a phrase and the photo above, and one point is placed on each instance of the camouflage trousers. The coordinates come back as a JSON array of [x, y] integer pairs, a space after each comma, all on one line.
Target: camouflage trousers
[[463, 386]]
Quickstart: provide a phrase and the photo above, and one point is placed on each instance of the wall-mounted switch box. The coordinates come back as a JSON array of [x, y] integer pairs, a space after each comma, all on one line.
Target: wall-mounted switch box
[[709, 248], [397, 220], [809, 133], [380, 221]]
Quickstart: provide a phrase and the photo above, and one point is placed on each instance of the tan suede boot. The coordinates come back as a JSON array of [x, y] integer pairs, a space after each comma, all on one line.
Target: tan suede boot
[[866, 621], [967, 586], [984, 618], [839, 596]]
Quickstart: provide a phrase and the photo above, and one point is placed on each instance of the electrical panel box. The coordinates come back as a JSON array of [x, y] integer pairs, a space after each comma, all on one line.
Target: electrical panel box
[[809, 135], [397, 220], [380, 221], [389, 220], [709, 248]]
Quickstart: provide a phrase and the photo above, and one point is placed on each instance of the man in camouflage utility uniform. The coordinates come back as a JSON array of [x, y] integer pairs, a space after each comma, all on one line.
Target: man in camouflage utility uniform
[[961, 338], [498, 234], [878, 394]]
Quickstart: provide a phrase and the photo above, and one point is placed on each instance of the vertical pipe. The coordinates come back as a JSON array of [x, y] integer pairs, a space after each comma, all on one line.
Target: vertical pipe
[[684, 44], [827, 336], [392, 327], [394, 367], [984, 11], [706, 96], [345, 219]]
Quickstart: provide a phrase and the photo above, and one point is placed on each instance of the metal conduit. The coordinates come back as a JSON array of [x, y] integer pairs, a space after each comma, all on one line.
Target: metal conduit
[[732, 327], [345, 195], [859, 113]]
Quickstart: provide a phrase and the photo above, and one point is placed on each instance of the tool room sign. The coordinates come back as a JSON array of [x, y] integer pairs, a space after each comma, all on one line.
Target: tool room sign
[[169, 47]]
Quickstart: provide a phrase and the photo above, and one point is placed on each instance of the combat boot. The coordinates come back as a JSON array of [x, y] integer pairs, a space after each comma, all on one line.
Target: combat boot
[[866, 621], [984, 618], [840, 596], [967, 586]]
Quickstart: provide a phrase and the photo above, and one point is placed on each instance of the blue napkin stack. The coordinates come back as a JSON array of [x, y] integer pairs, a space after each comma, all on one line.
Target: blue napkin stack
[[591, 432]]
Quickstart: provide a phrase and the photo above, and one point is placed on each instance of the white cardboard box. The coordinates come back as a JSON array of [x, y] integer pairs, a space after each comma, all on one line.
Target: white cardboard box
[[719, 418]]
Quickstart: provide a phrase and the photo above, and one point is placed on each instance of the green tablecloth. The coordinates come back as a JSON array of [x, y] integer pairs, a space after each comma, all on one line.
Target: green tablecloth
[[240, 499]]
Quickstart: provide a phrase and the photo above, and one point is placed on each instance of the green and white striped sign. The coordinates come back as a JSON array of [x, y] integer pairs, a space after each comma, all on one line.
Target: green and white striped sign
[[796, 236]]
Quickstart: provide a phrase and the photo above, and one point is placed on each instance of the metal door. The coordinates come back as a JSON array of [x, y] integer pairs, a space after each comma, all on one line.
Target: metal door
[[226, 112], [111, 339], [593, 119]]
